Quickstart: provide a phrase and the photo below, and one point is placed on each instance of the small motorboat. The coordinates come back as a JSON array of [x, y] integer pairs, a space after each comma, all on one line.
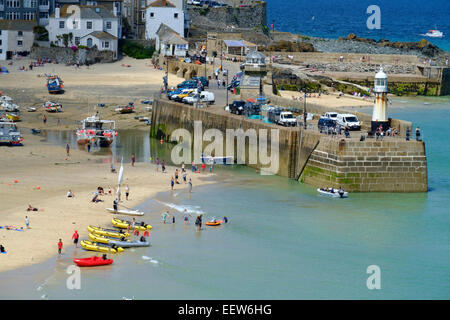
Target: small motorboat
[[93, 261], [434, 34], [107, 232], [31, 109], [127, 212], [214, 223], [123, 224], [334, 194]]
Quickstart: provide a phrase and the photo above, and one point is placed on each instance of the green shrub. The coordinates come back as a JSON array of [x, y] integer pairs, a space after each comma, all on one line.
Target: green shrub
[[136, 50]]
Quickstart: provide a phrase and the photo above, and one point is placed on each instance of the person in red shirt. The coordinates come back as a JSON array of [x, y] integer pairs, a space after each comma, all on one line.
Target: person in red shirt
[[60, 244], [75, 237]]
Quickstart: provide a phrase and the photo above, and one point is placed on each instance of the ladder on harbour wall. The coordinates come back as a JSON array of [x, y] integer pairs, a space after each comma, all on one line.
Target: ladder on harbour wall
[[298, 165]]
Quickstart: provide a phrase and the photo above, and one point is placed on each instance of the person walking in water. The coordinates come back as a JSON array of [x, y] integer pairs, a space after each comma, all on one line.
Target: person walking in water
[[133, 159], [186, 215], [44, 119], [190, 185], [60, 245], [75, 237], [68, 150], [172, 182], [163, 166], [164, 216]]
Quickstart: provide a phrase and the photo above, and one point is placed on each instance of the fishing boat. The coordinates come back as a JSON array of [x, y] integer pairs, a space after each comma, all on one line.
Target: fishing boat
[[54, 84], [13, 116], [434, 34], [9, 106], [9, 132], [93, 261], [96, 131], [214, 223], [334, 194], [127, 212], [31, 109], [52, 107], [125, 109]]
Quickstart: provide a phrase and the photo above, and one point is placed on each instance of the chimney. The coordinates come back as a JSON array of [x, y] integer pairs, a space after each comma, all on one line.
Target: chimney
[[57, 13]]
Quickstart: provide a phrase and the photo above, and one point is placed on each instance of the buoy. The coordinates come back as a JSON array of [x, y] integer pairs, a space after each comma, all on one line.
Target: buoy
[[146, 234], [38, 187]]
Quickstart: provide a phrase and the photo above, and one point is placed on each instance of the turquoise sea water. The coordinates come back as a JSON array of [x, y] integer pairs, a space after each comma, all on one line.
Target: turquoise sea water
[[283, 241], [401, 20]]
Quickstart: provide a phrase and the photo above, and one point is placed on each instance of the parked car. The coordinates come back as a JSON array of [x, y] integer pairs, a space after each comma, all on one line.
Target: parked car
[[179, 97], [233, 84], [331, 115], [349, 121], [326, 125], [203, 80], [205, 97], [237, 107], [174, 92], [252, 109], [283, 118]]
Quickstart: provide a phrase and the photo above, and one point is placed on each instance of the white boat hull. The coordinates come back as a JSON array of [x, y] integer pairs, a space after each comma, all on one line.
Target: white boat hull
[[333, 195], [127, 212]]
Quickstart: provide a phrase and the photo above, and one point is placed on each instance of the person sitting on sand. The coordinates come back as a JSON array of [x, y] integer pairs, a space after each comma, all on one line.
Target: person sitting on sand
[[30, 208], [100, 191], [113, 170], [70, 194], [2, 249]]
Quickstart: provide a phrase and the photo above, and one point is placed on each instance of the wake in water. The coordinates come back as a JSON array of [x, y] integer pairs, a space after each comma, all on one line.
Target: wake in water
[[181, 208], [150, 259]]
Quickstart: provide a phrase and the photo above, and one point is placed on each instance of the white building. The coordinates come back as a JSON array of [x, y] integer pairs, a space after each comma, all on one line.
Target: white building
[[164, 11], [16, 36], [170, 42], [84, 25]]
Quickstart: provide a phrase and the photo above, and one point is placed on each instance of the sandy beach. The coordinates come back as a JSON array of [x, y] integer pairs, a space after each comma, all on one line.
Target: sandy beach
[[331, 100], [39, 163]]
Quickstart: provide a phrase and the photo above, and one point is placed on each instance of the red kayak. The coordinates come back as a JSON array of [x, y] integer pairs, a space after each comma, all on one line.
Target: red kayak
[[92, 262]]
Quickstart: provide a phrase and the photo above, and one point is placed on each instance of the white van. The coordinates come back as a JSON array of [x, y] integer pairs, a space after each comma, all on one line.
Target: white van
[[349, 121], [205, 97], [331, 115]]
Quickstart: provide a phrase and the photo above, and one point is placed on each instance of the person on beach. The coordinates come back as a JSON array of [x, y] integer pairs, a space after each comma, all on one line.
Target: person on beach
[[183, 169], [109, 191], [408, 133], [2, 249], [186, 215], [172, 182], [173, 219], [27, 222], [70, 194], [60, 245], [164, 216], [197, 222], [68, 150], [184, 177], [176, 176], [89, 146], [131, 225], [44, 119], [203, 167], [163, 166], [418, 134], [190, 185], [127, 192], [133, 159], [30, 208], [115, 202], [157, 164], [75, 237]]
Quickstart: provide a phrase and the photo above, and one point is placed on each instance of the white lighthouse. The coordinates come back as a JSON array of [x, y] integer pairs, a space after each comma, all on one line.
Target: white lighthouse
[[379, 116]]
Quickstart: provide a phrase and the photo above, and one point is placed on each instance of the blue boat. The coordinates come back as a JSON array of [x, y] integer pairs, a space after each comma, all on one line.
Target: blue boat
[[55, 84]]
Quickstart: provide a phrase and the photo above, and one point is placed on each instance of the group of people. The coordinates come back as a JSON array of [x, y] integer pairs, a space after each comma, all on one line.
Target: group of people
[[332, 190]]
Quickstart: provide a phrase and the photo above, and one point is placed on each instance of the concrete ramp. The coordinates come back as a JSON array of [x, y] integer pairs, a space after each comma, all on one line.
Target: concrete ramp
[[308, 142]]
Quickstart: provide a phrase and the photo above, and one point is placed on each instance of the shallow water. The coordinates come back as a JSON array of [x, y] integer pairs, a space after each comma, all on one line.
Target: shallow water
[[283, 241]]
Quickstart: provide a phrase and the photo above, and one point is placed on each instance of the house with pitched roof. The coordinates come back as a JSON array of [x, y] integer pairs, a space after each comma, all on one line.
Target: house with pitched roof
[[170, 42], [90, 26], [16, 36], [164, 11]]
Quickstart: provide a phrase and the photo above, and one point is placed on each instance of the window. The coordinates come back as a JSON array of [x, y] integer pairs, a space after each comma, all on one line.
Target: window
[[175, 15], [43, 2], [152, 14], [19, 43], [77, 41], [89, 25], [28, 16], [29, 3], [89, 42], [43, 15], [108, 25], [12, 16], [61, 24], [13, 4], [105, 44], [20, 33]]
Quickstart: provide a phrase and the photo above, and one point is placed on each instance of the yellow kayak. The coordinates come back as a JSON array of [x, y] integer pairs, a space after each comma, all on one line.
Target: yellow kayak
[[98, 238], [100, 247], [13, 116], [123, 224], [107, 232]]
